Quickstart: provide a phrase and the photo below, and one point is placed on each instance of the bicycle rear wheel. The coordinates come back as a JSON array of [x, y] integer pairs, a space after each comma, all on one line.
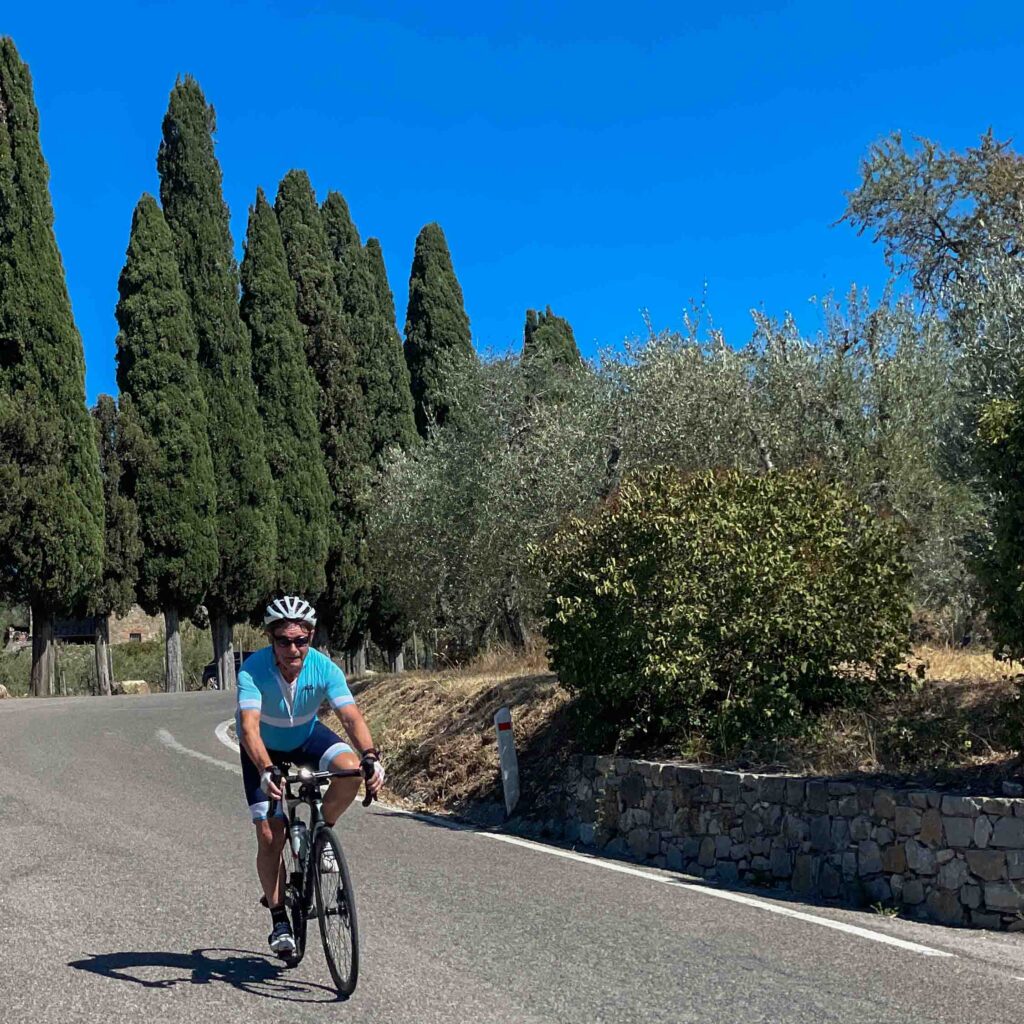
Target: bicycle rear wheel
[[336, 910]]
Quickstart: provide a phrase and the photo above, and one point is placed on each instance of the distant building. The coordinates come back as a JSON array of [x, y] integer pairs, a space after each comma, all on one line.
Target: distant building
[[135, 627]]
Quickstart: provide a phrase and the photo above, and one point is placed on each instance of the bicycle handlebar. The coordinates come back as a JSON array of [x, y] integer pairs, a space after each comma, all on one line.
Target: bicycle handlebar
[[305, 775]]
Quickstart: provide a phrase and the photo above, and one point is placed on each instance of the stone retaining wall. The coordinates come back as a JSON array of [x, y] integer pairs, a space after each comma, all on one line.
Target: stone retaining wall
[[951, 859]]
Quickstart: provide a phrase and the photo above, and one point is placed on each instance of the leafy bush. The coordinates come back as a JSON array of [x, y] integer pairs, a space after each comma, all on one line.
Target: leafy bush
[[728, 605]]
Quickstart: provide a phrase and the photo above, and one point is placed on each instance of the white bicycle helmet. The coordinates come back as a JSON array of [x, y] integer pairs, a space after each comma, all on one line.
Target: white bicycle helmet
[[289, 609]]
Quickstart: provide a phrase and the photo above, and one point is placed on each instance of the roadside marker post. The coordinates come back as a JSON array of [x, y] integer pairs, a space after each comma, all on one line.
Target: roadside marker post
[[507, 758]]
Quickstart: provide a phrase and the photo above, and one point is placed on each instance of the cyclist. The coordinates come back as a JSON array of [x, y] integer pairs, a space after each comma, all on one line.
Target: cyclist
[[280, 690]]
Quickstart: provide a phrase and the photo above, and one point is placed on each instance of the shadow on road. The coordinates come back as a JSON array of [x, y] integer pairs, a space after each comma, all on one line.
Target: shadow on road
[[246, 970]]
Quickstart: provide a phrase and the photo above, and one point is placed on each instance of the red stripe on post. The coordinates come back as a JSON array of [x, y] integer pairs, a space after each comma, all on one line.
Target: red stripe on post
[[504, 726]]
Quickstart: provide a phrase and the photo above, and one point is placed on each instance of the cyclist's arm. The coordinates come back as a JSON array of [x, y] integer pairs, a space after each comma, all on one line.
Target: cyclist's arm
[[356, 727], [251, 740]]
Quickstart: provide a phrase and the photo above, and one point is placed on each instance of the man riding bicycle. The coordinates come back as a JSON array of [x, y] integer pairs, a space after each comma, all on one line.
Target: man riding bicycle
[[280, 690]]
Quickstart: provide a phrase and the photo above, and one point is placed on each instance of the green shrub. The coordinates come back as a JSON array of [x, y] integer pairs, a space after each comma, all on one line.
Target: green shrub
[[724, 606]]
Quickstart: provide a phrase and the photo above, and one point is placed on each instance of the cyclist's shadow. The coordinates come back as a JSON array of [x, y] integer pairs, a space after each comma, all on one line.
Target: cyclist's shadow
[[243, 969]]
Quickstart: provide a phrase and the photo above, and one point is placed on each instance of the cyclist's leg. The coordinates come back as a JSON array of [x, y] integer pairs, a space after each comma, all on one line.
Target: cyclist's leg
[[323, 751], [270, 835]]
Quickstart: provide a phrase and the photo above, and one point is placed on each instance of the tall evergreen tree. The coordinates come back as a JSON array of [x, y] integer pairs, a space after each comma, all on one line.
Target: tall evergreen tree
[[343, 426], [548, 340], [169, 473], [397, 427], [190, 189], [123, 544], [287, 402], [436, 327], [398, 424], [51, 499]]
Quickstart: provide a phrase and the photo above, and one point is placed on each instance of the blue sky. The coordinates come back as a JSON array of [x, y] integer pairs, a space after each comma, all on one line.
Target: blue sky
[[602, 159]]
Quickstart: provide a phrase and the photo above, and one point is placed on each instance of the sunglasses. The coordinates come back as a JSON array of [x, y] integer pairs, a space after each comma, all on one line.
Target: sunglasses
[[285, 642]]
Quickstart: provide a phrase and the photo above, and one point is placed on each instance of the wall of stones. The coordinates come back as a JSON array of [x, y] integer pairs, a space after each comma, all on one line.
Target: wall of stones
[[957, 860], [147, 627]]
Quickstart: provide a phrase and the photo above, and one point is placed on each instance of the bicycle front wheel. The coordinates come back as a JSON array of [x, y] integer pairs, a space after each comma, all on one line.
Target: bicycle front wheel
[[336, 910]]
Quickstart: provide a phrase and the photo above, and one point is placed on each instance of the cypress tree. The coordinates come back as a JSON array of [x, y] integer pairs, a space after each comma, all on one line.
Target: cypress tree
[[286, 400], [436, 327], [190, 189], [122, 542], [398, 424], [51, 498], [548, 340], [163, 410], [343, 426]]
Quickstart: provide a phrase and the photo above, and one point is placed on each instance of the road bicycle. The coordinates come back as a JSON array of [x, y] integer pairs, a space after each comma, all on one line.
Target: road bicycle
[[318, 884]]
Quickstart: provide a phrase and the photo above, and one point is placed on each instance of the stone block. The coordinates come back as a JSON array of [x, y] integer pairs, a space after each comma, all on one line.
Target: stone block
[[970, 896], [958, 831], [586, 836], [982, 920], [959, 807], [821, 833], [740, 851], [849, 864], [945, 907], [686, 776], [908, 821], [913, 892], [884, 804], [878, 890], [829, 881], [1004, 896], [728, 872], [989, 865], [918, 800], [953, 875], [804, 874], [860, 828], [998, 808], [838, 788], [982, 831], [869, 858], [674, 859], [752, 824], [631, 791], [723, 847], [841, 833], [848, 807], [944, 856], [882, 835], [817, 796], [760, 864], [794, 828], [1008, 832], [894, 859], [896, 884], [773, 789], [781, 862], [931, 827], [794, 792], [706, 857], [920, 859], [1015, 863]]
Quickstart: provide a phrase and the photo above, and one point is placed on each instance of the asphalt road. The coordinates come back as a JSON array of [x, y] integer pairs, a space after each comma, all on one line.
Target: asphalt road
[[128, 893]]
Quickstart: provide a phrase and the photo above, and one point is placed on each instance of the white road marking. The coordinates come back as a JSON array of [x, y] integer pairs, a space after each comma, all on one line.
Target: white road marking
[[221, 732], [625, 869], [169, 741]]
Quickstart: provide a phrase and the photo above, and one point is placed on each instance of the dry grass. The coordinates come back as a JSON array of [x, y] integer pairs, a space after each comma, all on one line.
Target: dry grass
[[437, 728], [964, 724]]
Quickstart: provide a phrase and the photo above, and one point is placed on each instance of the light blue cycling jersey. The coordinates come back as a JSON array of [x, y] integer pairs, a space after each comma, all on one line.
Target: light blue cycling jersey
[[287, 714]]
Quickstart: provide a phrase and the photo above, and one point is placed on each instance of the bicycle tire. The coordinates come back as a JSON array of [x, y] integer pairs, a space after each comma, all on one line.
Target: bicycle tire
[[297, 907], [336, 911]]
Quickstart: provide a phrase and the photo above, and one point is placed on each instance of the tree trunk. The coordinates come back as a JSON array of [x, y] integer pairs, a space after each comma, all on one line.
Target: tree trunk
[[175, 672], [396, 659], [357, 659], [223, 651], [42, 653], [103, 679]]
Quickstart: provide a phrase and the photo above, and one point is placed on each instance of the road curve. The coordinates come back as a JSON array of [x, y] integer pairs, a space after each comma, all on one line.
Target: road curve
[[128, 892]]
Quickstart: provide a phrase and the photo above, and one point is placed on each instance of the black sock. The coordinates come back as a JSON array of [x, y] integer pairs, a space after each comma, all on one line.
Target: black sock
[[277, 915]]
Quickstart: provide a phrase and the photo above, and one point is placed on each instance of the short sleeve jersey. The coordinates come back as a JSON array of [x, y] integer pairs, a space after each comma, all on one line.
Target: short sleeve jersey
[[287, 716]]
